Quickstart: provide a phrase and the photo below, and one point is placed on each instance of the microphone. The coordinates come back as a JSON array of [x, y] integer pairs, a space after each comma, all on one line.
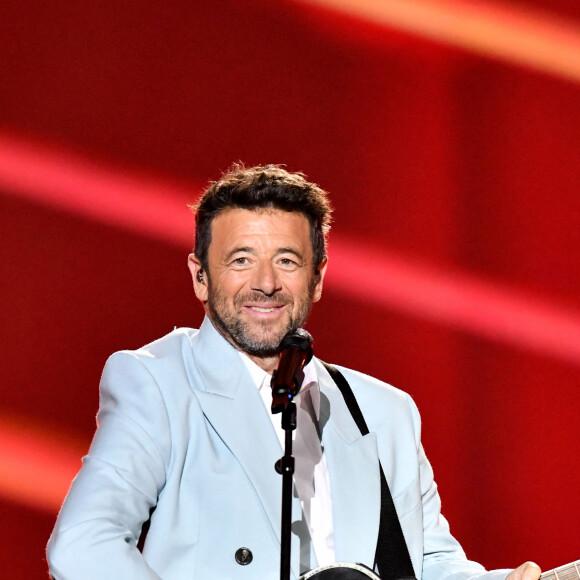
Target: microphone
[[295, 353]]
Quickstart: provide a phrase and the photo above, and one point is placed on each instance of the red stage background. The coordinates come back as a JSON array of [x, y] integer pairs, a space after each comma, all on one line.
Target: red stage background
[[454, 172]]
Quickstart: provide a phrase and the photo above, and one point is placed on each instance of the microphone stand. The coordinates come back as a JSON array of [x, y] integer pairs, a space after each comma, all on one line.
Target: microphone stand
[[285, 466]]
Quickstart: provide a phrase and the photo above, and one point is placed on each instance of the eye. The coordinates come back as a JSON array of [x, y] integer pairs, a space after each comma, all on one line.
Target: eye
[[288, 263], [240, 261]]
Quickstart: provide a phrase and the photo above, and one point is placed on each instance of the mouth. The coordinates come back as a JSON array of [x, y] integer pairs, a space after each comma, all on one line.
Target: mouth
[[261, 309], [264, 309]]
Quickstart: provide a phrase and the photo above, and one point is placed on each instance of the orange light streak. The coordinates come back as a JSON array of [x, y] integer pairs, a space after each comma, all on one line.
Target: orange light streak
[[454, 299], [73, 183], [36, 465], [523, 36]]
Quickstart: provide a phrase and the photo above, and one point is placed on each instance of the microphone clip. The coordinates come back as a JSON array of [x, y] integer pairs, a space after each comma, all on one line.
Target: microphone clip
[[282, 394]]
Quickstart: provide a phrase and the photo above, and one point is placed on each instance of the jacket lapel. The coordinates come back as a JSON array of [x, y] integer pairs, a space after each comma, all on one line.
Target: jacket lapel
[[229, 397], [354, 477], [232, 404]]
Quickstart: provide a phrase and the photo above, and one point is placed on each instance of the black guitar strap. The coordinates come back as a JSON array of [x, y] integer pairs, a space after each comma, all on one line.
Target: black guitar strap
[[392, 555]]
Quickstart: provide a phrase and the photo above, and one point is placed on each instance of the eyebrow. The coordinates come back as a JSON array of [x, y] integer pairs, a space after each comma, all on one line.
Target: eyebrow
[[289, 251], [252, 251], [246, 249]]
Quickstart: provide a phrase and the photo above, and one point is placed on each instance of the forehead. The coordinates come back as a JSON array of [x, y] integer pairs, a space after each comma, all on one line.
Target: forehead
[[263, 227]]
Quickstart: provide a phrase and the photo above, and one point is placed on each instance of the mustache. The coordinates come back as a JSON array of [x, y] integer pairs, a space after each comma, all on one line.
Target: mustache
[[257, 297]]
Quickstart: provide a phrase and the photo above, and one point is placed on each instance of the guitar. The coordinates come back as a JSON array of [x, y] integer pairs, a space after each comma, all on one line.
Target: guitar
[[342, 571], [567, 572]]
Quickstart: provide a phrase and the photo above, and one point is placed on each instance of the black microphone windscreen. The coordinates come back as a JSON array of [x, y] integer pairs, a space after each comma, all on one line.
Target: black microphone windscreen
[[300, 339]]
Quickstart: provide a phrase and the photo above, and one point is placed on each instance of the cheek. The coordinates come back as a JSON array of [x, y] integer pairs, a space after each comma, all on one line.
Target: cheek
[[301, 288], [229, 284]]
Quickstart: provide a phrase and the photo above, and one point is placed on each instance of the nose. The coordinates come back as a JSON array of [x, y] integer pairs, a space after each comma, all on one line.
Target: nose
[[265, 278]]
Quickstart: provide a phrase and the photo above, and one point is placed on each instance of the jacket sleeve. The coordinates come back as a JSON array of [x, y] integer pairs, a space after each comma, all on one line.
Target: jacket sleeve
[[100, 522], [443, 557]]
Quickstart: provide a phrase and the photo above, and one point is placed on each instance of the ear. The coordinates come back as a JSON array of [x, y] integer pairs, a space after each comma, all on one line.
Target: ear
[[319, 277], [199, 278]]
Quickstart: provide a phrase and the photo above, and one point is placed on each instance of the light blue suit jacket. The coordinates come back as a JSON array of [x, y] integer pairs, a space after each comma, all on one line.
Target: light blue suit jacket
[[184, 439]]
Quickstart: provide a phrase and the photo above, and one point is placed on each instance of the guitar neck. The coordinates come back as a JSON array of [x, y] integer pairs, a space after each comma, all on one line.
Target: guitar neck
[[567, 572]]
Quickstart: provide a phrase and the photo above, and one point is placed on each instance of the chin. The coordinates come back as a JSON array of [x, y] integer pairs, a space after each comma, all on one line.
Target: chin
[[267, 344]]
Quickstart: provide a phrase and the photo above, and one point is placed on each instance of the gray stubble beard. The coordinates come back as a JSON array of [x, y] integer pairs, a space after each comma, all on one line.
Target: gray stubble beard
[[237, 332]]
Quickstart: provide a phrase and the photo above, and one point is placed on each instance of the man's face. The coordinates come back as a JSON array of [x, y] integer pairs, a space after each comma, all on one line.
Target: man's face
[[262, 279]]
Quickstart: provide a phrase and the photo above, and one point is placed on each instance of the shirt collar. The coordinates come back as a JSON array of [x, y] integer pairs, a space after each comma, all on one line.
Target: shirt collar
[[309, 386]]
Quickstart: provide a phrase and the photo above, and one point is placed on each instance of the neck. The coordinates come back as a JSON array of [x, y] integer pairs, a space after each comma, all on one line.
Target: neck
[[268, 364]]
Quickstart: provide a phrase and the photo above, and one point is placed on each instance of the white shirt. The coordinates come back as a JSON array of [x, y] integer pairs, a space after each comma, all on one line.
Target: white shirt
[[311, 472]]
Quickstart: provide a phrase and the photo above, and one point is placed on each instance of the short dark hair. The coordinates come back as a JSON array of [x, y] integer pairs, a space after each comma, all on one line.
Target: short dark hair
[[262, 187]]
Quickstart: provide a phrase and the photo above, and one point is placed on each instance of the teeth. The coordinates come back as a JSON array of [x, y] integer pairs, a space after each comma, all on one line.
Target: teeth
[[258, 309]]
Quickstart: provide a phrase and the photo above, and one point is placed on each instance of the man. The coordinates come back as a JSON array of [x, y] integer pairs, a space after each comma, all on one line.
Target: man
[[185, 445]]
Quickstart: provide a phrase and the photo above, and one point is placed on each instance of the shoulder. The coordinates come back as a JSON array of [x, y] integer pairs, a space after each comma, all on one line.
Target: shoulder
[[366, 385], [166, 347], [383, 405], [162, 361], [369, 388]]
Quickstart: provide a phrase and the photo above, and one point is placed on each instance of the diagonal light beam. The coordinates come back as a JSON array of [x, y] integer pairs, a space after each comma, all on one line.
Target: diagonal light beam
[[522, 36], [455, 299], [76, 184], [36, 465]]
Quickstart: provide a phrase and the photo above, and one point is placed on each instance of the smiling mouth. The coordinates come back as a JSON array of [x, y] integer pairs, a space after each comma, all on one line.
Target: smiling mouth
[[266, 308], [262, 305]]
